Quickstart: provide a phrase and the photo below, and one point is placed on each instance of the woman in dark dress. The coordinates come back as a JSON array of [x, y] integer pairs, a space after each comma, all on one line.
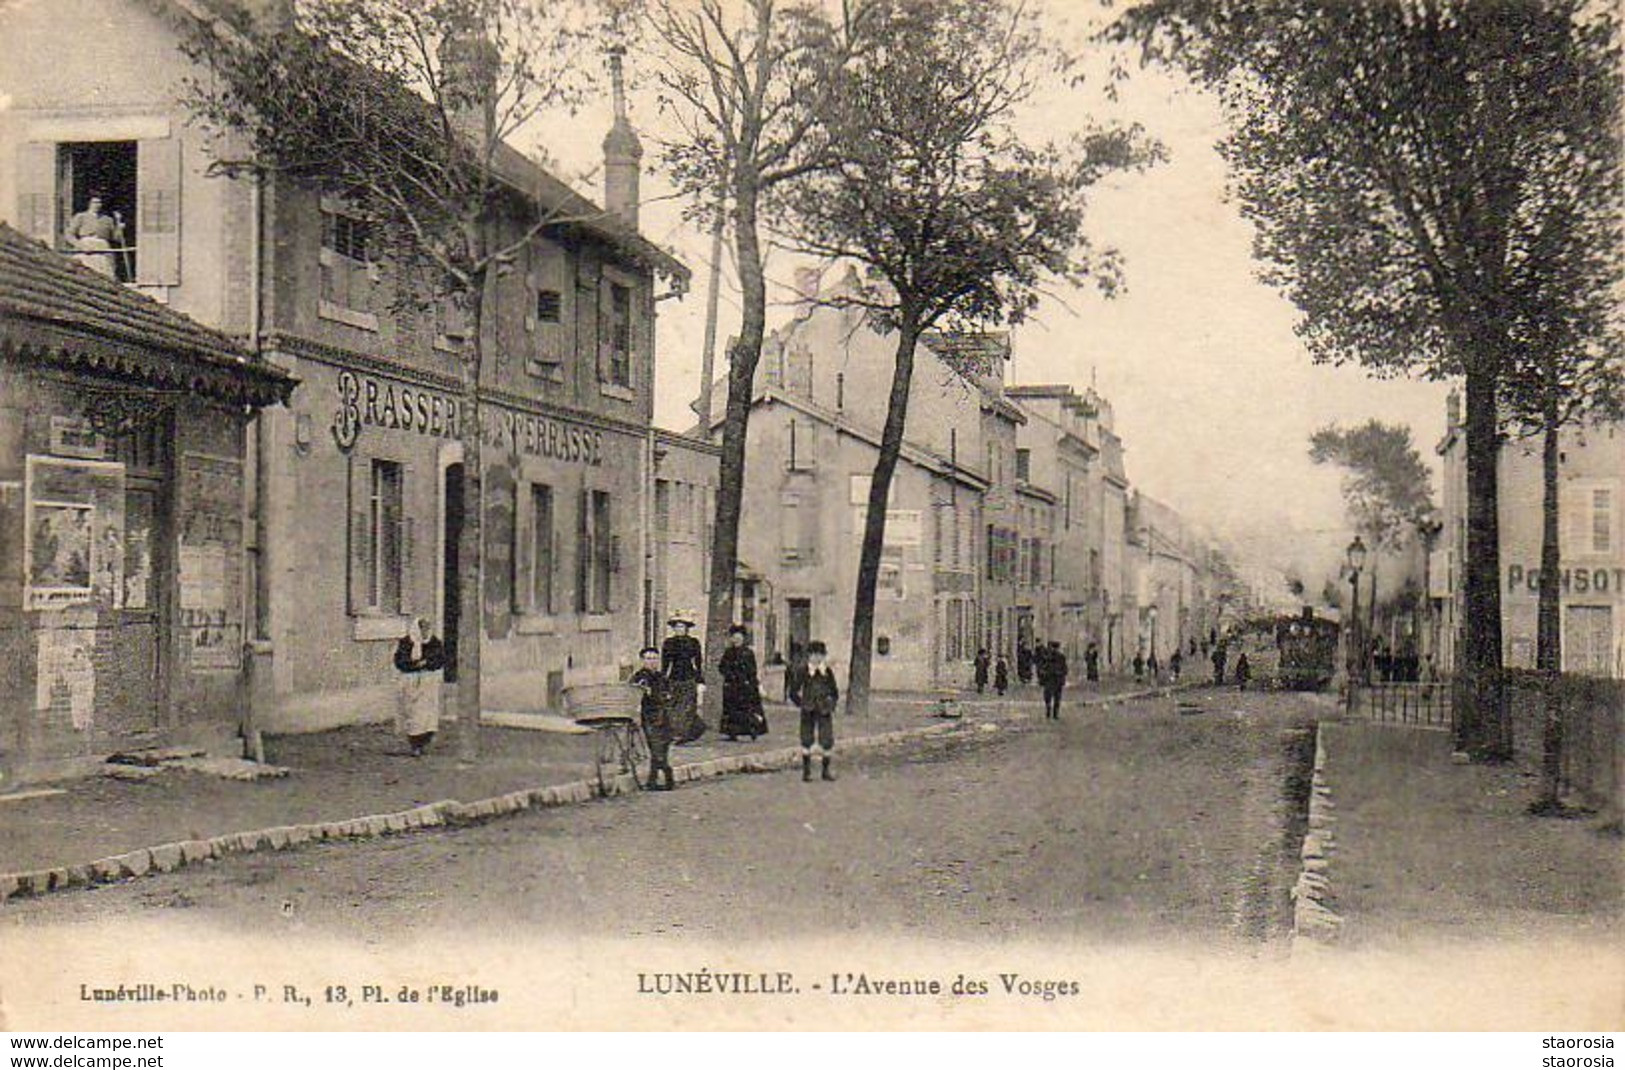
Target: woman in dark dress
[[741, 690], [681, 662]]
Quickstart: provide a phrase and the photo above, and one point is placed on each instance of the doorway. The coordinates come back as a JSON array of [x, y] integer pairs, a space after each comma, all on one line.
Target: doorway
[[800, 622], [451, 588]]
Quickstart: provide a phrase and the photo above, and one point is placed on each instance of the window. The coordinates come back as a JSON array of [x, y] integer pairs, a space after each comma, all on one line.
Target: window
[[387, 540], [347, 267], [541, 548], [451, 322], [549, 306], [1602, 520], [1024, 465], [105, 240], [595, 554], [620, 335]]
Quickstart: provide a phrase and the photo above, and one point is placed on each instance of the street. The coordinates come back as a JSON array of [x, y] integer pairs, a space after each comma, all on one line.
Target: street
[[1144, 821]]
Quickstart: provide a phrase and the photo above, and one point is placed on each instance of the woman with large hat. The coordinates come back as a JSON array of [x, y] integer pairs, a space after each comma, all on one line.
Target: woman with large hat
[[680, 660], [741, 689]]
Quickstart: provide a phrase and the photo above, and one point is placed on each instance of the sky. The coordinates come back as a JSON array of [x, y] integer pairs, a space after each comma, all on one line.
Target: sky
[[1214, 396]]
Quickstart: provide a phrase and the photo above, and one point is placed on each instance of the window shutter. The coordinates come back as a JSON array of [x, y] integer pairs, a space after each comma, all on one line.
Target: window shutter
[[158, 213], [360, 530], [36, 191], [408, 537], [524, 555], [606, 332], [583, 548]]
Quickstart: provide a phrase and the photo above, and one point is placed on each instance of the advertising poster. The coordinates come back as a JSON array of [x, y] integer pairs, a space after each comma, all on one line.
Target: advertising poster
[[74, 533]]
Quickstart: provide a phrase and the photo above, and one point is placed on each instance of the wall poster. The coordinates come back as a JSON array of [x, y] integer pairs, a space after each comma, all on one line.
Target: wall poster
[[210, 540], [73, 533], [65, 681]]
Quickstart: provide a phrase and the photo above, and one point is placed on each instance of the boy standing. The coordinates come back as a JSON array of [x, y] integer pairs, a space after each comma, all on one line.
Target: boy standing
[[657, 721], [817, 695]]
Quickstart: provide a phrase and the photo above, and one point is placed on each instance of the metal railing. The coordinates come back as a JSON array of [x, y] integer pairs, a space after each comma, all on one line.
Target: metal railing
[[1426, 705]]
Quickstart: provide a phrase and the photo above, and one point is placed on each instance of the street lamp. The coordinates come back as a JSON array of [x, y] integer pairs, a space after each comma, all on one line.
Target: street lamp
[[1356, 562], [1151, 614]]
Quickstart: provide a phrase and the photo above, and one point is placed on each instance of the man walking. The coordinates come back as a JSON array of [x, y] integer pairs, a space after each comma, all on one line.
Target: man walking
[[1052, 677]]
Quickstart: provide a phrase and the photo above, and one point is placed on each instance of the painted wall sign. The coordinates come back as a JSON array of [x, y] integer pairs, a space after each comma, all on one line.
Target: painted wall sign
[[1602, 582], [366, 401]]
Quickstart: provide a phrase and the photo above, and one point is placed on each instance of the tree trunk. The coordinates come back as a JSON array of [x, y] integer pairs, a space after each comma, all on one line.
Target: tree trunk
[[743, 356], [1548, 627], [874, 521], [1481, 728], [470, 545]]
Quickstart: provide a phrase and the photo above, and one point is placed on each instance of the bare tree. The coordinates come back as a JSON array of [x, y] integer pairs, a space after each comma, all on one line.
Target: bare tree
[[952, 216], [745, 83]]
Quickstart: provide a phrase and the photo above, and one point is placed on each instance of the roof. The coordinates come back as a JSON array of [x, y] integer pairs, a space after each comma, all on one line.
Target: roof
[[978, 358], [65, 313], [524, 175]]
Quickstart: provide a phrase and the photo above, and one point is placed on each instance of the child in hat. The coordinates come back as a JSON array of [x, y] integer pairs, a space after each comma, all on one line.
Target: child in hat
[[817, 695], [657, 710]]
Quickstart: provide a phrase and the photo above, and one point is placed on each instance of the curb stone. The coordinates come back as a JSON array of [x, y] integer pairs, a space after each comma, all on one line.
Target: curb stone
[[1314, 922], [169, 857]]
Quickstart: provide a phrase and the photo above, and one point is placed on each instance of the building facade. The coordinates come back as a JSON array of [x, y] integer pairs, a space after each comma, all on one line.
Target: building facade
[[1591, 478], [122, 496], [356, 507]]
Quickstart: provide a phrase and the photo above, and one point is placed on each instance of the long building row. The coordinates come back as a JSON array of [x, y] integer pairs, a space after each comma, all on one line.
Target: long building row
[[231, 456], [1011, 520]]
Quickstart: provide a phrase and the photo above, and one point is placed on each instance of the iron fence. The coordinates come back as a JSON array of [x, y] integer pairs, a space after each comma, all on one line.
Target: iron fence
[[1427, 705]]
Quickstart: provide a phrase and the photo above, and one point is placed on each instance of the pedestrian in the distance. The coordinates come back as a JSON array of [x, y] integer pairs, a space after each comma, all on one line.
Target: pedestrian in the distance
[[680, 660], [1220, 656], [1139, 667], [1175, 663], [1024, 663], [1001, 675], [1152, 667], [741, 689], [1091, 663], [656, 708], [1053, 680], [419, 656], [1244, 672], [817, 698], [982, 663]]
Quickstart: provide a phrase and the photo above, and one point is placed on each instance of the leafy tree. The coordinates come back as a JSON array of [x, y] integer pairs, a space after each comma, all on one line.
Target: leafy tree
[[1397, 160], [951, 216], [744, 83], [403, 107], [1387, 488]]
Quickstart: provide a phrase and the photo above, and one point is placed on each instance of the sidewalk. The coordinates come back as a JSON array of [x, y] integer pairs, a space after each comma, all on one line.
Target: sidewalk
[[353, 772], [1430, 851]]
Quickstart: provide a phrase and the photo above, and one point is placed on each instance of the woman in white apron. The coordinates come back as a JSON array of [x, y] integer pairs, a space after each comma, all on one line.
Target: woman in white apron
[[419, 656]]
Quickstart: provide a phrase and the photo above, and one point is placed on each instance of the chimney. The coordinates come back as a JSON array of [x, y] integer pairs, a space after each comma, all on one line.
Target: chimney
[[622, 152], [808, 283], [468, 78]]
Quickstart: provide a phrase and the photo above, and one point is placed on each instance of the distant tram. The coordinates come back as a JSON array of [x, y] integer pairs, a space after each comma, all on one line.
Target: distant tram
[[1308, 648], [1294, 652]]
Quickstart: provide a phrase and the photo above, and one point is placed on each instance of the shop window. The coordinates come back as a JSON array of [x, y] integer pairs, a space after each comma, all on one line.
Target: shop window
[[348, 269]]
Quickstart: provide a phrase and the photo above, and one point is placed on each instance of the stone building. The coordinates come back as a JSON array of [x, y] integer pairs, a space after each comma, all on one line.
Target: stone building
[[1591, 476], [355, 500], [122, 497]]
